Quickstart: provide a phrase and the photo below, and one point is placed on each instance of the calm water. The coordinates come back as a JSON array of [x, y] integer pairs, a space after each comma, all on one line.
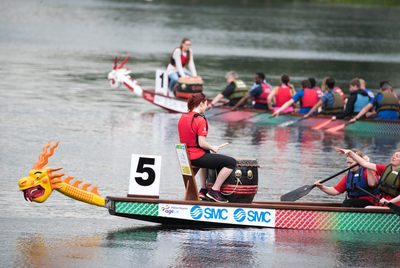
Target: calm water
[[55, 56]]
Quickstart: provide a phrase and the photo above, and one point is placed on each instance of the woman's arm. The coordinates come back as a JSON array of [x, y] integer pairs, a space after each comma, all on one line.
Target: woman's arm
[[192, 68], [204, 144], [314, 108], [326, 189], [178, 62], [364, 163], [371, 178], [272, 95]]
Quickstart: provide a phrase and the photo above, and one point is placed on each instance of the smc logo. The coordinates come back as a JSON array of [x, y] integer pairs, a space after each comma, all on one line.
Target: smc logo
[[239, 215], [196, 212]]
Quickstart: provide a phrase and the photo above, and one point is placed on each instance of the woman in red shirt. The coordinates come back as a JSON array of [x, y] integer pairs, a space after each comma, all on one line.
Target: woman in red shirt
[[193, 130], [388, 183], [356, 176]]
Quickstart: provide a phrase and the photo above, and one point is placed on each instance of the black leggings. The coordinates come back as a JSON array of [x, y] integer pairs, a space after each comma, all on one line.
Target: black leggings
[[356, 203], [213, 161]]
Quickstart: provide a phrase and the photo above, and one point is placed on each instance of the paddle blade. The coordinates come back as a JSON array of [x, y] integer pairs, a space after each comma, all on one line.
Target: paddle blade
[[335, 129], [288, 123], [298, 193], [323, 124]]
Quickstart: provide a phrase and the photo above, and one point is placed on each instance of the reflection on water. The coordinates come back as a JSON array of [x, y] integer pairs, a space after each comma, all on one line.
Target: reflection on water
[[38, 251]]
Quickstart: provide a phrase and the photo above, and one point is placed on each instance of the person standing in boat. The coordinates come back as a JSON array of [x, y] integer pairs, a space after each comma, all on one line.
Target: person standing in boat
[[280, 95], [259, 93], [181, 57], [385, 103], [388, 183], [357, 100], [234, 91], [308, 97], [332, 102], [356, 176], [193, 130]]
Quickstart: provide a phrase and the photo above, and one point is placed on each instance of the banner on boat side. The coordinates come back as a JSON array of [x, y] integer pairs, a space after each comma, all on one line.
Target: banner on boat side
[[183, 159], [145, 175], [171, 103], [229, 215]]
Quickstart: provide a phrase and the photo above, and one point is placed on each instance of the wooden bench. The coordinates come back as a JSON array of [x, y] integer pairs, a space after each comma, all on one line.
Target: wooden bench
[[188, 172]]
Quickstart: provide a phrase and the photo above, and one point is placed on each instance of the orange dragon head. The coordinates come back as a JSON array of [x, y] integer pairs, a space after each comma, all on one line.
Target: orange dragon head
[[39, 185]]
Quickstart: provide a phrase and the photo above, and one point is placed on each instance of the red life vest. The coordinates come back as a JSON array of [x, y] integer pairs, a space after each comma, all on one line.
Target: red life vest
[[310, 98], [184, 59], [264, 95], [190, 126], [282, 96]]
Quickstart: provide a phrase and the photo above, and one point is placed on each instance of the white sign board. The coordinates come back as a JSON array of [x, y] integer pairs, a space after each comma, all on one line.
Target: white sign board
[[145, 175], [161, 82], [183, 159]]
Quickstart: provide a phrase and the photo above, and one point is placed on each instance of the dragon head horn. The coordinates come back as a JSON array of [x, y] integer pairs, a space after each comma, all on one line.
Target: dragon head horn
[[115, 63], [44, 156], [123, 62]]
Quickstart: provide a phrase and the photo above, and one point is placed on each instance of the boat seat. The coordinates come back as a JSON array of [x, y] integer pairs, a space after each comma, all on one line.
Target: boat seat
[[188, 173]]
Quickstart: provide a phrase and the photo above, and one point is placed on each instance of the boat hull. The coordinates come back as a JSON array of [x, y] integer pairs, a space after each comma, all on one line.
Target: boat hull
[[223, 113], [286, 215]]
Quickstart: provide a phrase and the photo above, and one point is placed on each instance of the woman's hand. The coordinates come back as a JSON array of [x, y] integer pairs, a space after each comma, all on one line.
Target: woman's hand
[[343, 151], [214, 149], [384, 201], [318, 184]]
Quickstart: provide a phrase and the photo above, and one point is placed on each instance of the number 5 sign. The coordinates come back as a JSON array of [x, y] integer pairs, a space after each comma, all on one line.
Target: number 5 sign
[[145, 175]]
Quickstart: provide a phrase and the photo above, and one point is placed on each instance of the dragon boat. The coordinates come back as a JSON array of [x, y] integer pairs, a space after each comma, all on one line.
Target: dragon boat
[[242, 211], [162, 97]]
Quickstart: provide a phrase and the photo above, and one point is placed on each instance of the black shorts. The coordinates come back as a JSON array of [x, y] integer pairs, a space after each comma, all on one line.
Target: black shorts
[[214, 161]]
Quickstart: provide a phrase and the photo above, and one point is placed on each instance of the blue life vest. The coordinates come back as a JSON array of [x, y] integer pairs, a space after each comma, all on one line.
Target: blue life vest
[[361, 101], [357, 178]]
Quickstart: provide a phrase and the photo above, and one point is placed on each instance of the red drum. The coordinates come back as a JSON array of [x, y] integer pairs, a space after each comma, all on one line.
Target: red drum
[[242, 184]]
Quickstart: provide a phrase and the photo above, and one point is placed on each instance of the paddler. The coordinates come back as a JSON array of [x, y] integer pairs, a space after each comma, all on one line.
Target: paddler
[[280, 95], [332, 102], [356, 176], [388, 183], [259, 93], [357, 100], [307, 96], [193, 130], [385, 103], [181, 57], [234, 91]]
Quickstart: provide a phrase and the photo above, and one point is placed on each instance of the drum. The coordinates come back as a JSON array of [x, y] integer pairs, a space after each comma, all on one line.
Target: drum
[[188, 85], [242, 184]]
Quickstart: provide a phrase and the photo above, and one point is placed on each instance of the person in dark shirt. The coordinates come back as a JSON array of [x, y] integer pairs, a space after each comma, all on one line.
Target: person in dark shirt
[[357, 100], [259, 93]]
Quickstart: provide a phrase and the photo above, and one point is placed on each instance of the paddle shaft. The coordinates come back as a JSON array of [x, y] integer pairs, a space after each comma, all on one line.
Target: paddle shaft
[[393, 207], [340, 172], [368, 193]]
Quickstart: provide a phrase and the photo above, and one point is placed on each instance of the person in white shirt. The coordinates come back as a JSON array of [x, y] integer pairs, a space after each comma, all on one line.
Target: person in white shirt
[[181, 57]]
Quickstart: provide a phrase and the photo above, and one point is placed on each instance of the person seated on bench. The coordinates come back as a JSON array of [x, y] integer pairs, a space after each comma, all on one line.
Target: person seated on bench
[[193, 130]]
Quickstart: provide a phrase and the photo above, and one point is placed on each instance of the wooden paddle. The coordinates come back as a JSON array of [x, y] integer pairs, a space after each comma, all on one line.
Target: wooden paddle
[[393, 207], [223, 145], [304, 190], [337, 128], [323, 124]]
